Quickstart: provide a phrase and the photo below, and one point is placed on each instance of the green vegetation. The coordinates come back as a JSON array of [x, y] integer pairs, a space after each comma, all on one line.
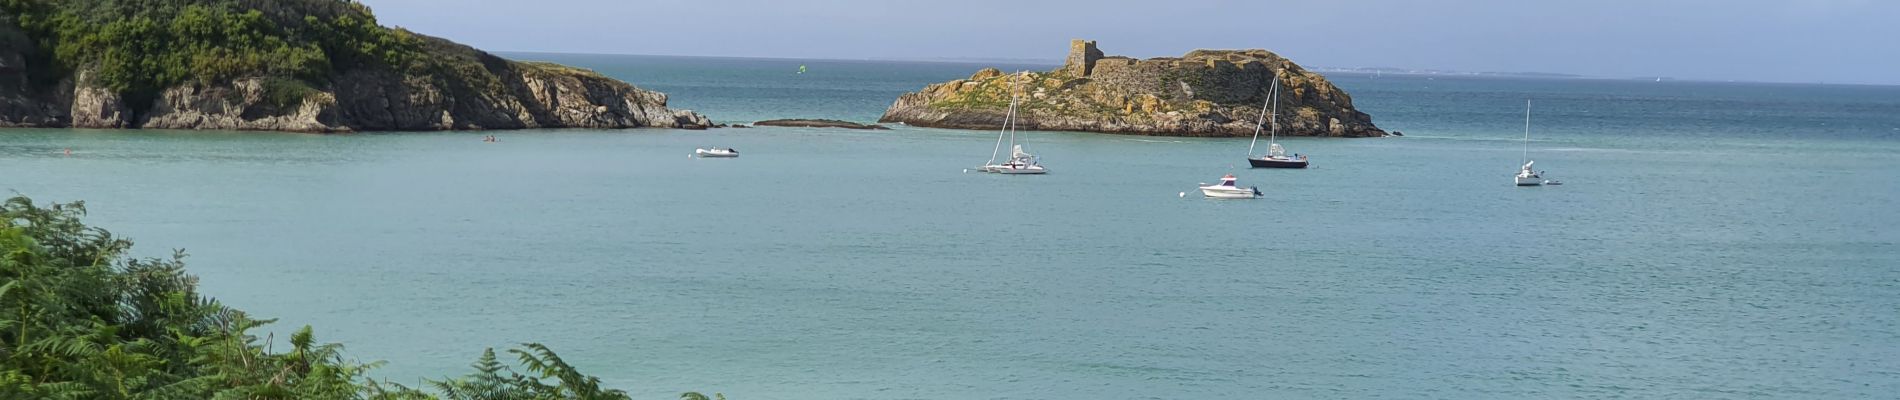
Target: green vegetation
[[994, 92], [557, 68], [81, 320], [141, 47]]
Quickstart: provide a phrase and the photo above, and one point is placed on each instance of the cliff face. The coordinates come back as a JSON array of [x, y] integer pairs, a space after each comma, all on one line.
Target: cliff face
[[465, 89], [1204, 93]]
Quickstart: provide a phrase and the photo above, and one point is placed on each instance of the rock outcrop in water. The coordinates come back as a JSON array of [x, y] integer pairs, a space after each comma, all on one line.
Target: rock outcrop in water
[[438, 85], [1204, 93]]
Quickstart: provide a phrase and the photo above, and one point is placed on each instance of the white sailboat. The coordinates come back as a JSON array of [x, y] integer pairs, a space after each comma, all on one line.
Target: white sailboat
[[1525, 175], [1020, 162], [1276, 156]]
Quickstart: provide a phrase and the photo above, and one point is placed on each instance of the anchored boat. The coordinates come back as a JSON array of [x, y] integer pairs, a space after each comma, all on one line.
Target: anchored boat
[[1228, 189], [1525, 175], [1276, 156], [1020, 162]]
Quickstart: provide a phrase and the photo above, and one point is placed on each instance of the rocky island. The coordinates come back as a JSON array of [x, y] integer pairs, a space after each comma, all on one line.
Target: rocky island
[[1204, 93], [284, 65]]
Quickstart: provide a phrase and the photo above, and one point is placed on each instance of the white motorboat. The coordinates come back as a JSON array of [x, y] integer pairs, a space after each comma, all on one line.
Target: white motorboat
[[1527, 176], [1276, 156], [1227, 189], [716, 152]]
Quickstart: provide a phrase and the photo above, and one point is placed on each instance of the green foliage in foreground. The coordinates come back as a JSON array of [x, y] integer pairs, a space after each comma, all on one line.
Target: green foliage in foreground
[[81, 320]]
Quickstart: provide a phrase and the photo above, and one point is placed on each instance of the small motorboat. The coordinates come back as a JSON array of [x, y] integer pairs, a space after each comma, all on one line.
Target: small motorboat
[[1227, 189], [716, 153]]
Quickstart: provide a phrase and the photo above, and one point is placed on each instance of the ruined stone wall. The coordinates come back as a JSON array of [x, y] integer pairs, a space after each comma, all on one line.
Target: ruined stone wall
[[1082, 57], [1219, 81], [1226, 82], [1134, 76]]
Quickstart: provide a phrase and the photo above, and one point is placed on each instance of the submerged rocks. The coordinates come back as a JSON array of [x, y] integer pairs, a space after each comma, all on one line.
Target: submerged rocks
[[1203, 93], [817, 123]]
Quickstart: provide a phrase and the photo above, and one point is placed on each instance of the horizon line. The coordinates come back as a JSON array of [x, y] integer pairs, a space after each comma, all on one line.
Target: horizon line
[[1349, 70]]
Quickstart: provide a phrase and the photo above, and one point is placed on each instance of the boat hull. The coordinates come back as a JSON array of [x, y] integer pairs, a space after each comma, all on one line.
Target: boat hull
[[1530, 181], [1226, 190], [1229, 192], [1021, 170], [1276, 163], [714, 154]]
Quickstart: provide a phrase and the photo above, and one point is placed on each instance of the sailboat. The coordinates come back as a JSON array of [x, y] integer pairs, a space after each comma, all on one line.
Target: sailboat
[[1020, 162], [1276, 156], [1526, 176]]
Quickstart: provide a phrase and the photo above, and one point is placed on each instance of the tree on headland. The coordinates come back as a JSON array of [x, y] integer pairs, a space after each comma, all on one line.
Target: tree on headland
[[79, 319], [141, 47]]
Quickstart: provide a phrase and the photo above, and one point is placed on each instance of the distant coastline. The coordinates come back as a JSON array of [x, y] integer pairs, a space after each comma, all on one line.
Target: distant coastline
[[1437, 72]]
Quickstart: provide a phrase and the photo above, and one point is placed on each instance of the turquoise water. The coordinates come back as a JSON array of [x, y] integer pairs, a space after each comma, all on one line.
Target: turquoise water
[[1712, 241]]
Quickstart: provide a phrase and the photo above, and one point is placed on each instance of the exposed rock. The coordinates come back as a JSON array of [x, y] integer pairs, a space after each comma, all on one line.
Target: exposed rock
[[478, 91], [739, 126], [241, 106], [1203, 93], [93, 107], [817, 123], [20, 103], [986, 74]]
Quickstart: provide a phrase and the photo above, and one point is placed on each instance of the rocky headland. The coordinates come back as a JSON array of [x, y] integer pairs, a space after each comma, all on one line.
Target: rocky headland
[[1203, 93], [287, 65]]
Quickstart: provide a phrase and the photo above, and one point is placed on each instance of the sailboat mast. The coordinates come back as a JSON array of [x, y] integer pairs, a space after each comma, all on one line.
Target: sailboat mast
[[1007, 116], [1527, 133], [1263, 114], [1012, 121], [1273, 121], [1256, 126]]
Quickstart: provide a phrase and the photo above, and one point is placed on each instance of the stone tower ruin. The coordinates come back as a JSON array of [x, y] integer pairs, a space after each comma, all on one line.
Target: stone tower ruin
[[1082, 57]]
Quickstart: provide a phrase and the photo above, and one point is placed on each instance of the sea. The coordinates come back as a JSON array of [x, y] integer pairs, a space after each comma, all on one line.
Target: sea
[[1710, 240]]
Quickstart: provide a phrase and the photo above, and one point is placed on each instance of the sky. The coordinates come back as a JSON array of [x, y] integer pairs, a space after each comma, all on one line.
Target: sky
[[1809, 41]]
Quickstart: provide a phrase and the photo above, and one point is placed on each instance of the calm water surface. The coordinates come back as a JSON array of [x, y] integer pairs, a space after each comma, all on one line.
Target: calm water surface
[[1712, 241]]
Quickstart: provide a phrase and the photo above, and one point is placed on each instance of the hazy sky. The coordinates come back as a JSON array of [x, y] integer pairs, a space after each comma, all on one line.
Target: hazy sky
[[1836, 41]]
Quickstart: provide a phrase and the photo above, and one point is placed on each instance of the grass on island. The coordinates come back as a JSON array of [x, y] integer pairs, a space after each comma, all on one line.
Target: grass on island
[[556, 68]]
